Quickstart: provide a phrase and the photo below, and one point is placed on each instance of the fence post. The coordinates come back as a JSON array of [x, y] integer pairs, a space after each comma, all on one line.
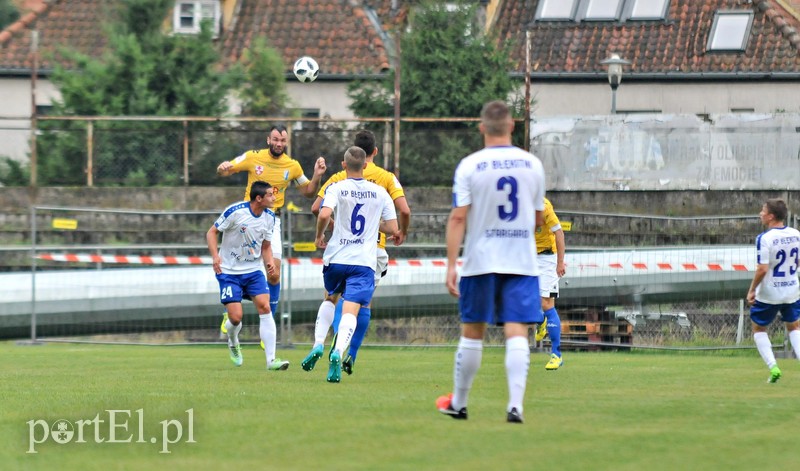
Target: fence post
[[185, 153], [286, 274], [33, 274], [740, 328], [90, 153]]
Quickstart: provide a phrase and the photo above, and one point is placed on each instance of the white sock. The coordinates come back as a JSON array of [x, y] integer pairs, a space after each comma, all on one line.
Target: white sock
[[765, 348], [347, 325], [467, 362], [794, 339], [268, 333], [518, 359], [233, 332], [324, 322]]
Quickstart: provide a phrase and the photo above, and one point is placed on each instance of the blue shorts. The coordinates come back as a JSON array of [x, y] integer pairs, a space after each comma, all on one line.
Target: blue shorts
[[763, 314], [497, 298], [233, 287], [356, 283]]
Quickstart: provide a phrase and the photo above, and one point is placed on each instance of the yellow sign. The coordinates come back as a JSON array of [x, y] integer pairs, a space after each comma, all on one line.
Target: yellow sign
[[567, 226], [69, 224], [304, 247]]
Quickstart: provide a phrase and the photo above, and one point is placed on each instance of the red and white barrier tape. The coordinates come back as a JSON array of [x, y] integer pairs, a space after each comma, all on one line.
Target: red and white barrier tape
[[440, 263]]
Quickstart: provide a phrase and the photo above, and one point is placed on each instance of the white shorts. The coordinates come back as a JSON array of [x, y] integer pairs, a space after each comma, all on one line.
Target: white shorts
[[277, 241], [381, 265], [548, 278]]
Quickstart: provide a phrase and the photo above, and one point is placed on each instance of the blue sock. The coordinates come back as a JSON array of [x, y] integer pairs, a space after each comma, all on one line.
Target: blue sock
[[274, 296], [337, 315], [361, 331], [554, 330]]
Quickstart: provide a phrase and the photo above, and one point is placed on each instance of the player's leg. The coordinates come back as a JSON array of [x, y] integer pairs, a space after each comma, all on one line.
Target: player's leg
[[259, 293], [274, 280], [321, 327], [359, 283], [477, 308], [517, 310], [364, 316], [553, 323], [762, 315], [230, 295], [791, 315]]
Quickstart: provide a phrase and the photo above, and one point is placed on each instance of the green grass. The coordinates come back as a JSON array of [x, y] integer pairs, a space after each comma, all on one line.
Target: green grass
[[620, 411]]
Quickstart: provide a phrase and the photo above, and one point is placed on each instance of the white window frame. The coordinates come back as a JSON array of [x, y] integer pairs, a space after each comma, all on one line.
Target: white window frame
[[544, 4], [652, 5], [723, 44], [197, 11]]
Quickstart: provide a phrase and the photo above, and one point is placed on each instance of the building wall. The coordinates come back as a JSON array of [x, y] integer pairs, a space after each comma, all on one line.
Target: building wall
[[569, 98], [15, 108]]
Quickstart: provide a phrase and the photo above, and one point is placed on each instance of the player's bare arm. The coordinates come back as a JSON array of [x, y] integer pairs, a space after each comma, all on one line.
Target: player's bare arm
[[561, 269], [225, 169], [456, 226], [312, 187], [213, 250], [266, 254], [403, 218], [761, 272], [323, 220]]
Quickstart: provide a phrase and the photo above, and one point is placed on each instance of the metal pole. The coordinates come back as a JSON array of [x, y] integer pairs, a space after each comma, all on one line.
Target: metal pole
[[286, 275], [397, 105], [526, 144], [33, 274], [185, 153], [613, 99], [34, 124], [90, 153], [740, 328]]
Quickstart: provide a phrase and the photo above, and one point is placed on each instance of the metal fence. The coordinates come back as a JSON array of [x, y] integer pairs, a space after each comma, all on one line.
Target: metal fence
[[137, 276]]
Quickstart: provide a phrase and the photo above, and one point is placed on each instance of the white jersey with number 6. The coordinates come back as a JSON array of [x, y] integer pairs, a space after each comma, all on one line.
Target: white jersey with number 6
[[358, 207], [780, 248], [505, 187]]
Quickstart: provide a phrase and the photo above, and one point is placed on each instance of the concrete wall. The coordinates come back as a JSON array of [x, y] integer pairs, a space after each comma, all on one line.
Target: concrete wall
[[569, 98]]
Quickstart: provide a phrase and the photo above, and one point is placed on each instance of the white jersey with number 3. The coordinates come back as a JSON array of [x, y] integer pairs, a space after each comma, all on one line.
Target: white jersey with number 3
[[780, 248], [358, 207], [505, 187]]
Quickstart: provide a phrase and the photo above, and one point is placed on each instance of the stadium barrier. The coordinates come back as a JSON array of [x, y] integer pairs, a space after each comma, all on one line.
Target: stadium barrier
[[650, 298]]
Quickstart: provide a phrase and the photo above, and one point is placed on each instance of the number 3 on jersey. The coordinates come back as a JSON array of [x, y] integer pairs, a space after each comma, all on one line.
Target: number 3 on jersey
[[777, 271], [508, 184]]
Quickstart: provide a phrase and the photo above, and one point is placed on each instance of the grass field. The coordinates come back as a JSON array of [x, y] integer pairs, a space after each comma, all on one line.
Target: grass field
[[621, 411]]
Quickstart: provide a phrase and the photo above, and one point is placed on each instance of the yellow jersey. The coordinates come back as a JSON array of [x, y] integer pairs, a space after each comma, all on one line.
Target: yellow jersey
[[376, 175], [545, 239], [279, 172]]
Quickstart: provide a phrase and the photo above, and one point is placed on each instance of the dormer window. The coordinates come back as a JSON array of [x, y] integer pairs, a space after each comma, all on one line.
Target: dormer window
[[730, 31], [603, 10], [556, 10], [190, 14]]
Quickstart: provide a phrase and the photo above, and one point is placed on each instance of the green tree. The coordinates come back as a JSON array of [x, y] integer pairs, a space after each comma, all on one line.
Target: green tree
[[143, 72], [447, 70], [264, 90], [8, 13]]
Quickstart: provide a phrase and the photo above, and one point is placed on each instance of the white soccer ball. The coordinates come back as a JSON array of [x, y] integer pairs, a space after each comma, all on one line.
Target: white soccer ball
[[306, 69]]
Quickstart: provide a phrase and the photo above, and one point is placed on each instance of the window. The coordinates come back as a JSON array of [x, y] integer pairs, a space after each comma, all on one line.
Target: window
[[730, 31], [556, 10], [649, 9], [603, 10], [189, 15]]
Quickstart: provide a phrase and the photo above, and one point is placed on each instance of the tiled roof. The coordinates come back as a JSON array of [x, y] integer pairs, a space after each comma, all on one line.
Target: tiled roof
[[73, 24], [339, 35], [675, 47], [343, 36]]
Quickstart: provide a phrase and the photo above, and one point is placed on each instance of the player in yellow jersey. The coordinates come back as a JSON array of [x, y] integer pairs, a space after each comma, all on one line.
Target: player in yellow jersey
[[273, 166], [550, 257], [331, 307]]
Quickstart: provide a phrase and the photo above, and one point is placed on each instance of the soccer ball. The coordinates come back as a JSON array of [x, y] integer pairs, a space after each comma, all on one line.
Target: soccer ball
[[306, 69]]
